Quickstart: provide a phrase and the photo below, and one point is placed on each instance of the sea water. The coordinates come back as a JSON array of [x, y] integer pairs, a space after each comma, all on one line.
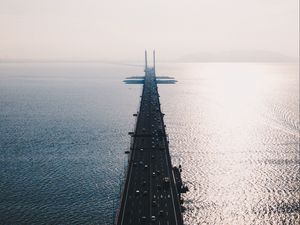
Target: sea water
[[234, 128]]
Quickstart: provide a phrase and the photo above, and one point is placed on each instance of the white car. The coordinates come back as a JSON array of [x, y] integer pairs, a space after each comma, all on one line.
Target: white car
[[153, 218]]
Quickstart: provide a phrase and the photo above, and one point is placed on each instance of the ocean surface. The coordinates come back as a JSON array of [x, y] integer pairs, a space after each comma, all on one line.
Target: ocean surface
[[234, 128]]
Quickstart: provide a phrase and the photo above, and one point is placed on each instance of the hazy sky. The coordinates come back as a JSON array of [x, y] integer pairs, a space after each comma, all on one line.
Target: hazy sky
[[121, 30]]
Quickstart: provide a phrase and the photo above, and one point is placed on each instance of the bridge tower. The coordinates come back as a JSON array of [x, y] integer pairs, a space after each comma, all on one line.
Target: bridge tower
[[146, 66], [154, 61]]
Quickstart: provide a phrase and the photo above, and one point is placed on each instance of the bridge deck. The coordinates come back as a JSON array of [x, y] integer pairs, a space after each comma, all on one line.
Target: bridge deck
[[148, 197]]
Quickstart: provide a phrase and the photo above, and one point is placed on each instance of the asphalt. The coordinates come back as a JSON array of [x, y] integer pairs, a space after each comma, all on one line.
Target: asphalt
[[149, 195]]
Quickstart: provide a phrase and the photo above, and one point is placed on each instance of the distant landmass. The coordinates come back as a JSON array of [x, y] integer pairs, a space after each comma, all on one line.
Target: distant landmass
[[224, 56], [237, 56]]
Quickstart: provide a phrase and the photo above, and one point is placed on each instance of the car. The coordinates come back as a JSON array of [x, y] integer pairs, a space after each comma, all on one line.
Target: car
[[153, 174], [161, 213], [145, 193], [141, 149], [137, 192], [143, 219], [153, 218], [154, 203], [146, 166], [166, 180]]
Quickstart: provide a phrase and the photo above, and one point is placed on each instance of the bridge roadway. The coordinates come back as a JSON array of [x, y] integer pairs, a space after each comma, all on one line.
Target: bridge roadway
[[147, 198]]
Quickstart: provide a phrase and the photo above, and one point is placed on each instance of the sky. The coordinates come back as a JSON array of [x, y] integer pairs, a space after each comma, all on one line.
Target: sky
[[121, 30]]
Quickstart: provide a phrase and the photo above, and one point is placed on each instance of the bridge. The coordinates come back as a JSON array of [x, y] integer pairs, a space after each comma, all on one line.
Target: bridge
[[153, 187]]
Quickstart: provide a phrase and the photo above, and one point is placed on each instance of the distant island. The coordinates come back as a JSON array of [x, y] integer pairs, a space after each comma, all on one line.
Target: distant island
[[237, 56]]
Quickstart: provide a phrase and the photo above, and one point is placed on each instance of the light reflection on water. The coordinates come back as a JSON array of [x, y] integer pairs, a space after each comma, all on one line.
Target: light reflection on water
[[235, 130]]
